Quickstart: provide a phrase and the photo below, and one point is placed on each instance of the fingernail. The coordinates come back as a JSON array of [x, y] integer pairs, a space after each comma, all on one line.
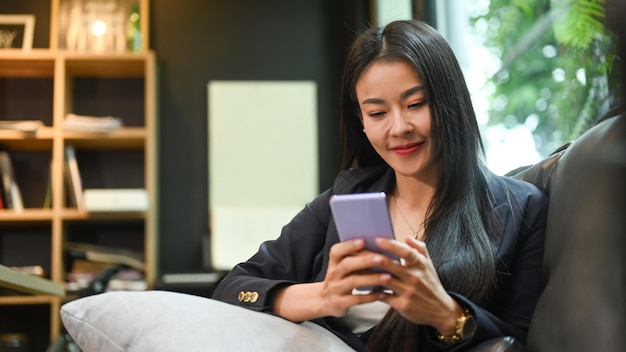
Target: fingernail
[[378, 259]]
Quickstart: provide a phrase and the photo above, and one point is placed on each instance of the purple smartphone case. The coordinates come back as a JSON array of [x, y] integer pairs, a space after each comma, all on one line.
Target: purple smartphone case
[[363, 215]]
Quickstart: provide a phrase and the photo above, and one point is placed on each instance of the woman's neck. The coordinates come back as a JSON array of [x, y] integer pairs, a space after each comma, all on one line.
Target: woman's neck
[[414, 193], [409, 204]]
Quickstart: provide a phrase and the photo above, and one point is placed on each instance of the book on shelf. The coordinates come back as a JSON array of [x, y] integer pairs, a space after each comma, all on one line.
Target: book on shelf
[[47, 200], [16, 196], [21, 125], [104, 254], [128, 280], [124, 280], [87, 261], [115, 199], [83, 123], [81, 272], [6, 175], [11, 195], [73, 182], [34, 270], [29, 284]]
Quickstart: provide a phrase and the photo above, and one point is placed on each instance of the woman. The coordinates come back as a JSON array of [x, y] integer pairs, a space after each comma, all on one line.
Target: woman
[[471, 242]]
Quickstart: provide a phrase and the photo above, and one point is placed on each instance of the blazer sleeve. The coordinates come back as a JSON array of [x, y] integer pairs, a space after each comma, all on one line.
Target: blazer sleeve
[[294, 257]]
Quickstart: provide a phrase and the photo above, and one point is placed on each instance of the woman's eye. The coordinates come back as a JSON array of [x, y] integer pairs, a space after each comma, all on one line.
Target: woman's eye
[[417, 105], [377, 114]]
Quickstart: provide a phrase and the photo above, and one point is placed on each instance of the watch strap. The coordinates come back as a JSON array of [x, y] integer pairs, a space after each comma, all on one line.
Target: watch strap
[[458, 331]]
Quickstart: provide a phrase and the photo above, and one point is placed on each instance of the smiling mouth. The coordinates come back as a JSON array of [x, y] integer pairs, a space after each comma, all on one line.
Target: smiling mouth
[[407, 149]]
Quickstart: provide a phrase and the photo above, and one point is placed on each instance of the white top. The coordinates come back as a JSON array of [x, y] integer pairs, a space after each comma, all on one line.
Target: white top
[[363, 317]]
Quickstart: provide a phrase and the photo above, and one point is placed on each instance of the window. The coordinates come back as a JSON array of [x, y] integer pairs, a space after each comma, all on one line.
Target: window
[[538, 71]]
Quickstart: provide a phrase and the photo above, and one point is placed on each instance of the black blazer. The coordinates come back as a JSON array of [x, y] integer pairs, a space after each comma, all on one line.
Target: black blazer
[[301, 252]]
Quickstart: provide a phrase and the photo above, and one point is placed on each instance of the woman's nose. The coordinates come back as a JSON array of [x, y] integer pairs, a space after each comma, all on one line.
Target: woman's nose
[[400, 124]]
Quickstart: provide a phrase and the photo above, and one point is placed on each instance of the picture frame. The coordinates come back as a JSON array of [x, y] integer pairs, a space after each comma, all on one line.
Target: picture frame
[[17, 31], [99, 26]]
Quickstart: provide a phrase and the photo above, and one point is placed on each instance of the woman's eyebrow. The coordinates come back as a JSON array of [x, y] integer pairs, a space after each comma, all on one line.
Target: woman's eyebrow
[[373, 101], [411, 91], [404, 95]]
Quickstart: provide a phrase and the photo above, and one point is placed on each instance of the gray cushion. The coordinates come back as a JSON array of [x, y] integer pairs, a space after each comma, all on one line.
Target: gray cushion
[[168, 321]]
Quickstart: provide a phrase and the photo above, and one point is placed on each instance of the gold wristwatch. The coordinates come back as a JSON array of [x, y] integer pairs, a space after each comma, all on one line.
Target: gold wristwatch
[[465, 327]]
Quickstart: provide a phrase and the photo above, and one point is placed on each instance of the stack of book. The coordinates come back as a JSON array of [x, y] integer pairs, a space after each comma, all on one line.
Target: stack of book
[[82, 123], [21, 125], [86, 261]]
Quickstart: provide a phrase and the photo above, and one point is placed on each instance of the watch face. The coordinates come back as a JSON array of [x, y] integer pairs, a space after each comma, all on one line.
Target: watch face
[[469, 328]]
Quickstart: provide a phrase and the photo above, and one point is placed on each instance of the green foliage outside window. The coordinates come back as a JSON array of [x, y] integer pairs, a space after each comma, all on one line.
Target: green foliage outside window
[[556, 66]]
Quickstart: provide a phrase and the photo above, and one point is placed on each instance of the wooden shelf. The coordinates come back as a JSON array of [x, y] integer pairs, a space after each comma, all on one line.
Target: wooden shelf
[[105, 65], [123, 138], [33, 63], [45, 215], [72, 82], [38, 140], [27, 215], [25, 300], [75, 215]]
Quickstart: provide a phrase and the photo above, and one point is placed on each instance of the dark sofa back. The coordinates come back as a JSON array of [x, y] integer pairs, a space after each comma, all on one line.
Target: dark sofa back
[[583, 307]]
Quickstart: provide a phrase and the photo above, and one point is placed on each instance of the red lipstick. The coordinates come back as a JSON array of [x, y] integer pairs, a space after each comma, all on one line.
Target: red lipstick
[[407, 148]]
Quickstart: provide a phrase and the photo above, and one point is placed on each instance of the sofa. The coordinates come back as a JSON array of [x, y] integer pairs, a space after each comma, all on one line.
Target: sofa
[[583, 307]]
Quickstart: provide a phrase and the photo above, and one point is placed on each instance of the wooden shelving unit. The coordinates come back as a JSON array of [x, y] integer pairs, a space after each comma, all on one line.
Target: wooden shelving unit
[[46, 85]]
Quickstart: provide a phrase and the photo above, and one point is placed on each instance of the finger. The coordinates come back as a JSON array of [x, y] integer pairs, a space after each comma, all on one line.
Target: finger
[[367, 281], [394, 268], [362, 297], [420, 246], [338, 252], [393, 246], [343, 299], [402, 250], [343, 249], [351, 267], [407, 254], [357, 279], [412, 258], [362, 261]]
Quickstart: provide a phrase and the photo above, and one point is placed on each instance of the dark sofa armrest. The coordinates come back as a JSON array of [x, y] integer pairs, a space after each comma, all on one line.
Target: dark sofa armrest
[[500, 344]]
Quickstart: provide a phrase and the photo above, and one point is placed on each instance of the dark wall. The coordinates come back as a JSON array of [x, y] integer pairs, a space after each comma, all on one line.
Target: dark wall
[[235, 40], [199, 41]]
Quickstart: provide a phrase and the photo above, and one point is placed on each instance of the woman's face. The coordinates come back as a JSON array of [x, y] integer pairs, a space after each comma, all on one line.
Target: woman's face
[[396, 117]]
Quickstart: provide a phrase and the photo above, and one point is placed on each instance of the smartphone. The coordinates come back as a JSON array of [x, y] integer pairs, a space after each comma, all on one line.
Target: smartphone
[[365, 216]]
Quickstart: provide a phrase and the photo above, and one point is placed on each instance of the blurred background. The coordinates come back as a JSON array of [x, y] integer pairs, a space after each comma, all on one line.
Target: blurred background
[[538, 71]]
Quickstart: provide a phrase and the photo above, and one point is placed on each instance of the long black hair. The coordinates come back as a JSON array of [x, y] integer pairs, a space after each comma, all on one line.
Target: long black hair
[[460, 215]]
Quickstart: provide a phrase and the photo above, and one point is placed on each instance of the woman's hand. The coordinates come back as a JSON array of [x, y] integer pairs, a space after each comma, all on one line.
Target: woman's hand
[[349, 267], [418, 294]]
